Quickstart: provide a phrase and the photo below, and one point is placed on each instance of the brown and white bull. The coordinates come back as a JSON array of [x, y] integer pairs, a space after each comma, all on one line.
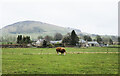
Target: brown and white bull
[[61, 50]]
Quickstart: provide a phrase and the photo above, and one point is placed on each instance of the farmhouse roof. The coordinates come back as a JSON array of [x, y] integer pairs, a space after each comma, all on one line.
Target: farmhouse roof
[[82, 41], [39, 41], [93, 42], [53, 42]]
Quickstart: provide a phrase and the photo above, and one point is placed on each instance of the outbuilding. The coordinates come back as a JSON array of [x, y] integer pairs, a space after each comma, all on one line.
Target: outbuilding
[[93, 43]]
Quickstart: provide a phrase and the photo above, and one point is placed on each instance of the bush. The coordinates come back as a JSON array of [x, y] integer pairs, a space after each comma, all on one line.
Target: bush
[[9, 42], [50, 45], [58, 45]]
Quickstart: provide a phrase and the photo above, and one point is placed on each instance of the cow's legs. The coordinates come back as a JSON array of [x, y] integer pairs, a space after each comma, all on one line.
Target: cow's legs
[[64, 53], [58, 53]]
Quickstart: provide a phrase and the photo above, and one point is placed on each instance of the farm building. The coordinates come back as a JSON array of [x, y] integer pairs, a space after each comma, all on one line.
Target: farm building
[[84, 43], [39, 42], [55, 42], [104, 45], [93, 43]]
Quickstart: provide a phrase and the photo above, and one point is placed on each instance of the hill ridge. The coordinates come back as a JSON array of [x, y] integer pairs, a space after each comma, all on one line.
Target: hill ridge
[[35, 27]]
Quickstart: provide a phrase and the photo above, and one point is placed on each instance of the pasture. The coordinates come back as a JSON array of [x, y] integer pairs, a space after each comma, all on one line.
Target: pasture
[[46, 61]]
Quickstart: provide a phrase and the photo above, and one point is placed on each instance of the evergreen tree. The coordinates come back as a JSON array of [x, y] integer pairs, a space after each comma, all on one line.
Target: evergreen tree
[[74, 38], [28, 39], [44, 43], [19, 39], [23, 40]]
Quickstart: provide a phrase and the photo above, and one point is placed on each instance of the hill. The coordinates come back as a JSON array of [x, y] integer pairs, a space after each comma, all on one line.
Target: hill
[[35, 28]]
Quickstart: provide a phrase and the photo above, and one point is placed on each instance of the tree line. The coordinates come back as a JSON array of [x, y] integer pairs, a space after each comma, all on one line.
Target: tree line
[[23, 39], [73, 39], [69, 39]]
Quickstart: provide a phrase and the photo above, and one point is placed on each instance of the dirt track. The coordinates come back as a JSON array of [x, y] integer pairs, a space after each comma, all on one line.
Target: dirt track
[[79, 52], [56, 53], [90, 52]]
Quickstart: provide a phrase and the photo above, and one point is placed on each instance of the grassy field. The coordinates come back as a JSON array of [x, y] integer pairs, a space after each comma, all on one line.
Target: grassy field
[[36, 61]]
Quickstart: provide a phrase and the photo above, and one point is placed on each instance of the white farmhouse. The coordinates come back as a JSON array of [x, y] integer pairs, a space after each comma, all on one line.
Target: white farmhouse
[[39, 42], [84, 43]]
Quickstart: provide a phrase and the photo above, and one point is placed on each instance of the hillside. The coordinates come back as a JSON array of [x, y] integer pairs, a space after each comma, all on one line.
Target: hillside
[[34, 28], [37, 28]]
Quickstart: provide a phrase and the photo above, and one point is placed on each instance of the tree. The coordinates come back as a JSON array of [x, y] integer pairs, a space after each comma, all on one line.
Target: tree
[[94, 40], [110, 41], [87, 38], [40, 37], [28, 39], [48, 38], [74, 38], [114, 38], [118, 40], [58, 36], [66, 40], [23, 40], [105, 40], [99, 39], [44, 43], [19, 39]]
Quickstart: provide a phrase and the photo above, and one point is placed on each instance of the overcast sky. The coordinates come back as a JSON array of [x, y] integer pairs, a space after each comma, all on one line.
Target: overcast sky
[[91, 16]]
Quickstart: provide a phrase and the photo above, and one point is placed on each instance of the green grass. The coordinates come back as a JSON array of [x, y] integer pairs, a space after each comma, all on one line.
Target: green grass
[[28, 61]]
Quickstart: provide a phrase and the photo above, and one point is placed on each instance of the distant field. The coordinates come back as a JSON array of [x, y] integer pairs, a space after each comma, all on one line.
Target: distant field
[[37, 61]]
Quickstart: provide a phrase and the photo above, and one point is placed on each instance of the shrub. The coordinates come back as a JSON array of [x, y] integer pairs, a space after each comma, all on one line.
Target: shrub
[[50, 45], [58, 45]]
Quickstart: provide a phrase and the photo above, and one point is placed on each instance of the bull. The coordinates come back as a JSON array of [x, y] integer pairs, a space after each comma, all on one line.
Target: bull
[[61, 50]]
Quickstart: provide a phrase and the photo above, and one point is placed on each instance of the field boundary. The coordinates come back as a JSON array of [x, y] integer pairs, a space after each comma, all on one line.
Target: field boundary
[[67, 53], [90, 52]]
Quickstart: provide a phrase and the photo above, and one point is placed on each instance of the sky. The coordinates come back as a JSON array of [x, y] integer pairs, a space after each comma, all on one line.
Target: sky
[[91, 16]]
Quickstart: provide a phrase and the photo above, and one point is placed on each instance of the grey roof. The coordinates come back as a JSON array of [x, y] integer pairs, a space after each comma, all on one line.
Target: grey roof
[[93, 42], [39, 41], [53, 42], [82, 41]]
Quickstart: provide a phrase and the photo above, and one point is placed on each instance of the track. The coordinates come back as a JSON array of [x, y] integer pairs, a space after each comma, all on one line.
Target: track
[[90, 52], [67, 53], [78, 52]]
